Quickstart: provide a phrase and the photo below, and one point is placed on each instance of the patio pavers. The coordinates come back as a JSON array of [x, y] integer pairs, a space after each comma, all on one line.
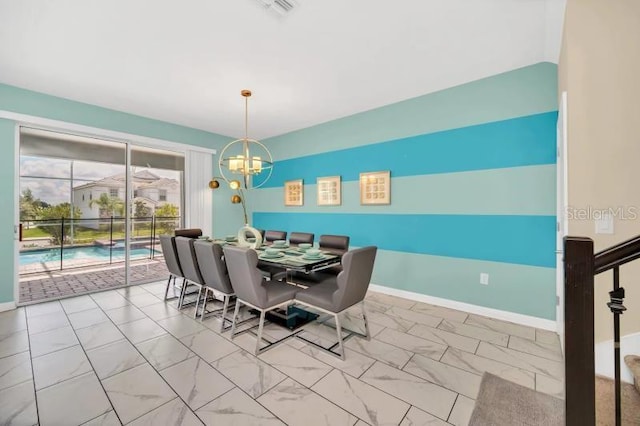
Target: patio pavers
[[65, 283]]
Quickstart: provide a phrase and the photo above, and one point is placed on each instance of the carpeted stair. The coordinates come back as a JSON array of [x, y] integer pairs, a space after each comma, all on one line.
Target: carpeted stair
[[605, 397], [633, 362]]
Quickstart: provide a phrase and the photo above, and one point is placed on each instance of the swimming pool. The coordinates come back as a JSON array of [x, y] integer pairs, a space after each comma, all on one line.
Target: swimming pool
[[96, 253]]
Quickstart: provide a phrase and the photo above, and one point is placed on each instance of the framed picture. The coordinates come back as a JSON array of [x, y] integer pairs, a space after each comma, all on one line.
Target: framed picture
[[293, 193], [329, 191], [375, 188]]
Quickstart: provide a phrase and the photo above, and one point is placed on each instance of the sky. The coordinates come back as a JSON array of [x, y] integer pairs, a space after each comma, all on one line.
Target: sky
[[55, 191]]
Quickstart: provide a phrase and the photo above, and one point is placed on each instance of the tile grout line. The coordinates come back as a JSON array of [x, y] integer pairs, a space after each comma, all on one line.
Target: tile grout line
[[520, 369], [524, 353], [93, 370], [442, 356], [26, 350], [147, 362], [408, 361], [331, 368], [417, 337], [196, 355], [405, 414], [368, 384], [33, 374], [280, 382], [413, 375], [452, 407], [322, 396]]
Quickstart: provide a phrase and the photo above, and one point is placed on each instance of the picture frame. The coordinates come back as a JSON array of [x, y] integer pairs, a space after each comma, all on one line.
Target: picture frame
[[329, 191], [294, 192], [375, 188]]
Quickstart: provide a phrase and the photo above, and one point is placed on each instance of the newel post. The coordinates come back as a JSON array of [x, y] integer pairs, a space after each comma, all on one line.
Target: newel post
[[578, 331]]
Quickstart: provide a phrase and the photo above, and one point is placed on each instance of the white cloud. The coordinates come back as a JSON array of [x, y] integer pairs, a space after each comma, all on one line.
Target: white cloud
[[36, 166], [52, 191]]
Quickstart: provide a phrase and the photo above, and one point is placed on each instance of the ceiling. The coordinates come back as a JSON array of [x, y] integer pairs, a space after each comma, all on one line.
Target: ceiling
[[186, 61]]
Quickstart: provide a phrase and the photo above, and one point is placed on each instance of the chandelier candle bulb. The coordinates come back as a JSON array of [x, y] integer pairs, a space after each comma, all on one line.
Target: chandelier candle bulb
[[256, 164], [233, 164]]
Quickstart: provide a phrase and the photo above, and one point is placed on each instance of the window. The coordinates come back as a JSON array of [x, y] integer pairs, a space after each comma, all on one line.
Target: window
[[135, 193], [82, 197], [113, 192], [163, 195]]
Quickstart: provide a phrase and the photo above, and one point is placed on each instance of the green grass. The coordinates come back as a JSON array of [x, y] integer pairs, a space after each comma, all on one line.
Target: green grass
[[33, 233]]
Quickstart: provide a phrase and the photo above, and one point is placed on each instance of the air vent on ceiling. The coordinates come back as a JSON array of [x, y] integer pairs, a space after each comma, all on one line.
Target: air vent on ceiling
[[281, 7]]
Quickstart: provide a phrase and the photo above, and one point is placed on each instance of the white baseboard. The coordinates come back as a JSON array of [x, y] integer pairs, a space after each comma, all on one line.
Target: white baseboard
[[527, 320], [629, 345], [7, 306]]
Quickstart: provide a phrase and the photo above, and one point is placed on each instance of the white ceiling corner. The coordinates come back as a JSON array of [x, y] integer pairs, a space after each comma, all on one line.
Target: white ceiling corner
[[186, 62]]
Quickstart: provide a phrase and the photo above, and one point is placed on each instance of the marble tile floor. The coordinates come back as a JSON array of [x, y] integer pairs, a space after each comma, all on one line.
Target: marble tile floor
[[127, 357]]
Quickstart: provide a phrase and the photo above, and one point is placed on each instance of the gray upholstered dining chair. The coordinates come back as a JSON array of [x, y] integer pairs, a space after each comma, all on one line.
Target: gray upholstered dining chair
[[272, 271], [215, 275], [250, 235], [188, 232], [271, 236], [334, 296], [168, 244], [300, 237], [189, 265], [336, 244], [253, 290]]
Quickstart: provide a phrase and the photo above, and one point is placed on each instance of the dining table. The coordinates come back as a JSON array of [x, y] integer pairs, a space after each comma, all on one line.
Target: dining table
[[291, 260]]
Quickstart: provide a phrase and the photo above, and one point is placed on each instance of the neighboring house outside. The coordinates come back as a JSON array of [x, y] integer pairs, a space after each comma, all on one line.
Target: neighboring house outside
[[154, 191]]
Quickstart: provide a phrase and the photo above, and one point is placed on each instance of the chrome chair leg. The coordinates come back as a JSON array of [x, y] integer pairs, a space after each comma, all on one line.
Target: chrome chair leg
[[195, 312], [340, 344], [166, 291], [367, 332], [260, 326], [204, 303], [235, 317], [224, 312], [182, 292]]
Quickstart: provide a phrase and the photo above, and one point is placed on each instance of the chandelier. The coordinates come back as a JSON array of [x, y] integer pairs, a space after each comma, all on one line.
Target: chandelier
[[247, 160]]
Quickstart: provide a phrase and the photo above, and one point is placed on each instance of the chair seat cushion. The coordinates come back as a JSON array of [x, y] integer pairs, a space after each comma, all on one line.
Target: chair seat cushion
[[278, 292], [319, 295]]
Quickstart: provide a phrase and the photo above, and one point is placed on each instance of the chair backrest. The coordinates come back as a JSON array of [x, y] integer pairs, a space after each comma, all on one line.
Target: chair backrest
[[212, 266], [338, 244], [300, 237], [189, 233], [168, 244], [246, 279], [354, 280], [275, 235], [250, 235], [187, 258]]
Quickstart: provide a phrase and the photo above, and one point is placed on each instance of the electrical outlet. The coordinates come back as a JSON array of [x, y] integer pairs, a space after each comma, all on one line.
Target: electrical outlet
[[484, 278]]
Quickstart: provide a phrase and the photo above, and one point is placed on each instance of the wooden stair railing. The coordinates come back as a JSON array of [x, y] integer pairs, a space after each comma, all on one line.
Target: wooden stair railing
[[580, 267]]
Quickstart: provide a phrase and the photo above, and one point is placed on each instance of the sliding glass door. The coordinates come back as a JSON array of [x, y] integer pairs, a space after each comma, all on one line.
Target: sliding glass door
[[91, 212], [157, 188]]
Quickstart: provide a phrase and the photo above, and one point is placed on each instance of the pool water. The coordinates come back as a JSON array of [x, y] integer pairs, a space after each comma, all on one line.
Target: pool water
[[80, 253]]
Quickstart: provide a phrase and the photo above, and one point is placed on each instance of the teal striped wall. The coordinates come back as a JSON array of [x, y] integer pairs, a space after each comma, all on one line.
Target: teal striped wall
[[473, 189]]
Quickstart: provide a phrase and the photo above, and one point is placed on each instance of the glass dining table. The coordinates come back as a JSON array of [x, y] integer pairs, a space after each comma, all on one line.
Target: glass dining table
[[291, 260]]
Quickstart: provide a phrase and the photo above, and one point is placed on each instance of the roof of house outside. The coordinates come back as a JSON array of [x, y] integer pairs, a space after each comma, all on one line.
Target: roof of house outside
[[141, 180]]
